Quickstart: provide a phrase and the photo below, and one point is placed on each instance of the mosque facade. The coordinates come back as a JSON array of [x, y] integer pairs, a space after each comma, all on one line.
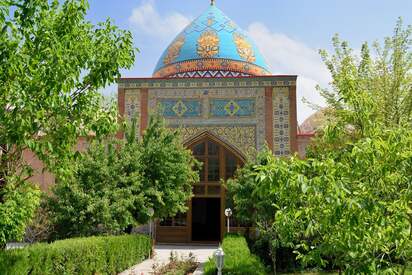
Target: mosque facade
[[213, 84]]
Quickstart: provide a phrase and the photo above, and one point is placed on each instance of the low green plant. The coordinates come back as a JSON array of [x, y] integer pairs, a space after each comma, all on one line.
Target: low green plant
[[238, 258], [178, 265], [94, 255]]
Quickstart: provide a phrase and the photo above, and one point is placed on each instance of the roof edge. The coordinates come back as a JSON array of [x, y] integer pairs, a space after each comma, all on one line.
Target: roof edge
[[217, 78]]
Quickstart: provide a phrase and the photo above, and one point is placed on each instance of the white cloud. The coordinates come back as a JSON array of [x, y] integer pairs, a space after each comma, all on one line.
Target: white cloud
[[147, 19], [285, 55]]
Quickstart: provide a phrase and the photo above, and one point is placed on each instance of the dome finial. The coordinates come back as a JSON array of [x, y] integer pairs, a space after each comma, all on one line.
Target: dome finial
[[212, 2]]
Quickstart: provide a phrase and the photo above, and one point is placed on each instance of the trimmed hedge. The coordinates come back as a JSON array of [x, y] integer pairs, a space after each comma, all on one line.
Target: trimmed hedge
[[94, 255], [238, 259]]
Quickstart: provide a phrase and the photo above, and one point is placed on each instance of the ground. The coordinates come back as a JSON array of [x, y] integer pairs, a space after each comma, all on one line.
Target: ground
[[162, 253]]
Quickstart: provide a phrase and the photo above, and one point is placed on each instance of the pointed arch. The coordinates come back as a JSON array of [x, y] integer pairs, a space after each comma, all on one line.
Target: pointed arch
[[209, 135]]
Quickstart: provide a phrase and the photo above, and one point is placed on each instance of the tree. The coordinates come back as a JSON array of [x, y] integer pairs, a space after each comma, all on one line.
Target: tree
[[52, 63], [261, 190], [349, 210], [348, 206], [168, 169], [116, 183], [373, 90]]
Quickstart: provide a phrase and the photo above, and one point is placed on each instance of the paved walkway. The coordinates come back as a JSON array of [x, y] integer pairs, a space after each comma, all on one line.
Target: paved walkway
[[162, 253]]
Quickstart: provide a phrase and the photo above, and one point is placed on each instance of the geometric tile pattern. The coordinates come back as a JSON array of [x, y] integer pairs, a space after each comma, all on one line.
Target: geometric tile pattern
[[132, 105], [180, 108], [251, 113], [281, 122], [156, 83], [210, 64], [209, 74], [243, 138], [232, 107]]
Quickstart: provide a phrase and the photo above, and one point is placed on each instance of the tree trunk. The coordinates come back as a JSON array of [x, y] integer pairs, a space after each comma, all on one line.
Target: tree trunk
[[273, 257]]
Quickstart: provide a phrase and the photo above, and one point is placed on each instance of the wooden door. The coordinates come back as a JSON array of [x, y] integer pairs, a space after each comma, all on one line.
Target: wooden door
[[219, 163]]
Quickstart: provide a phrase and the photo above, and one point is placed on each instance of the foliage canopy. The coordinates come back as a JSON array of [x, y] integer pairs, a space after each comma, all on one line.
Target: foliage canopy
[[349, 205], [52, 63], [117, 183]]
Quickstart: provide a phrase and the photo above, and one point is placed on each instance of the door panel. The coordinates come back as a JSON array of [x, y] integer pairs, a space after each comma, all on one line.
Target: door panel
[[205, 219]]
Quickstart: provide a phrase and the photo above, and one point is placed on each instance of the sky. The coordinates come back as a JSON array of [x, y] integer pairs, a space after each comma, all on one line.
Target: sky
[[289, 33]]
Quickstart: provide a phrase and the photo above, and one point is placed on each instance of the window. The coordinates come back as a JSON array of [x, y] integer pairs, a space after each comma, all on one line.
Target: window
[[199, 149], [178, 220], [231, 165], [202, 170], [218, 163], [213, 169]]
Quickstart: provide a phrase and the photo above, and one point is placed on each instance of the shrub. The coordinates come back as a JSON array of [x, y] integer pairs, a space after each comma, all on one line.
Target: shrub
[[238, 259], [94, 255], [177, 265]]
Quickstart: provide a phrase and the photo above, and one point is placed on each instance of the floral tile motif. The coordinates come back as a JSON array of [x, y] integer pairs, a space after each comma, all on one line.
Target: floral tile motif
[[244, 48], [174, 50], [208, 44]]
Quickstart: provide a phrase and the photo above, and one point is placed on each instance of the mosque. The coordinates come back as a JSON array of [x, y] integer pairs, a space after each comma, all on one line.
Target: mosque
[[213, 84]]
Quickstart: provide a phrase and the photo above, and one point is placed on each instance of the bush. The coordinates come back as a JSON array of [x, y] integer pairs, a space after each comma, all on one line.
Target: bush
[[177, 265], [238, 259], [94, 255]]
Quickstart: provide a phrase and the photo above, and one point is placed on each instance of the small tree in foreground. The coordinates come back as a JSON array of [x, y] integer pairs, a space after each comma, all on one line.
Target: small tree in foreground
[[52, 63], [116, 183]]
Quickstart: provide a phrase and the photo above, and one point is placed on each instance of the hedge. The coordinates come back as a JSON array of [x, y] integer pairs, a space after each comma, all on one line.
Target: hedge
[[238, 259], [93, 255]]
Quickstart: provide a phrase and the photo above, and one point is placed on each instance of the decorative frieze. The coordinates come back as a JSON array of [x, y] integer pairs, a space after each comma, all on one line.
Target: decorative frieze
[[268, 81], [132, 105], [281, 122]]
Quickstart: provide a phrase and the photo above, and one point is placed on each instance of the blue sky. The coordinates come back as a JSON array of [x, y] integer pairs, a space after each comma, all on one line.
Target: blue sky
[[288, 33]]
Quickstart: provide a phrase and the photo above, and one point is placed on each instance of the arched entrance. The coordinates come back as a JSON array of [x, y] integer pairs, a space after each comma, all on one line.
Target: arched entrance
[[205, 220]]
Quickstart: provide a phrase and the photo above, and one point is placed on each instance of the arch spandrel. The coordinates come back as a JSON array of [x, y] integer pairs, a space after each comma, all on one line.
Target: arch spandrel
[[241, 140]]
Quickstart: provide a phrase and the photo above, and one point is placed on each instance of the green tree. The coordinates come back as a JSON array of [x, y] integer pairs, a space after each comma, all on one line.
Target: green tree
[[261, 190], [349, 205], [168, 169], [371, 91], [52, 63], [349, 210], [116, 183], [103, 196]]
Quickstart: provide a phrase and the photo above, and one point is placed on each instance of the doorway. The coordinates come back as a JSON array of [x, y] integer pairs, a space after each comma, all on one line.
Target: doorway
[[206, 219]]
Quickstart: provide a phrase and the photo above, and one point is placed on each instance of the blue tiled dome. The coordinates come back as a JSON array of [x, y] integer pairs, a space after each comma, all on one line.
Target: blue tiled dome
[[211, 46]]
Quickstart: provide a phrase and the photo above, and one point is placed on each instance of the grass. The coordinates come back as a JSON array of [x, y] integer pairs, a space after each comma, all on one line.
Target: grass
[[238, 259]]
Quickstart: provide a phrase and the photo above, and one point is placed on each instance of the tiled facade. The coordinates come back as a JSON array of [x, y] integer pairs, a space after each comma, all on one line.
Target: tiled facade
[[232, 109], [281, 122]]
